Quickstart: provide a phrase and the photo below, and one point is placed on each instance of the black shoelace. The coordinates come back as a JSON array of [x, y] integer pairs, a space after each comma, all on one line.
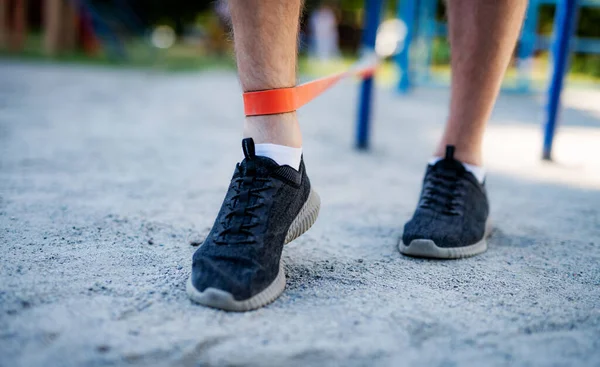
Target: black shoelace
[[238, 222], [443, 191]]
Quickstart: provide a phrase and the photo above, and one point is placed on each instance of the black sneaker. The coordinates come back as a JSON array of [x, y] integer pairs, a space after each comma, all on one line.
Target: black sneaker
[[239, 267], [451, 219]]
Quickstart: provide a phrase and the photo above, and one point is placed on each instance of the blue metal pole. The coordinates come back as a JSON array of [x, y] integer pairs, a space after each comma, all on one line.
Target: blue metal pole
[[527, 47], [364, 114], [407, 12], [371, 23], [564, 26], [427, 27]]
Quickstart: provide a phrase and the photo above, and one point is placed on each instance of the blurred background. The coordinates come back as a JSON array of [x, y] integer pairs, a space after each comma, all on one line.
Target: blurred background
[[193, 35]]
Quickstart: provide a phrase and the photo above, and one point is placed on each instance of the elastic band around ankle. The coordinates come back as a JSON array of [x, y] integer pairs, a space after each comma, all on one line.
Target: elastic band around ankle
[[283, 100]]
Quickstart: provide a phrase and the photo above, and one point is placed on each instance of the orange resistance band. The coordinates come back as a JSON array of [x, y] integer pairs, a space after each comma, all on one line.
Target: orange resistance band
[[273, 101]]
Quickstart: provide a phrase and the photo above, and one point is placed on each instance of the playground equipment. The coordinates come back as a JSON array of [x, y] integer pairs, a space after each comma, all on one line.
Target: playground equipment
[[112, 22], [69, 24], [420, 18], [564, 26], [13, 24], [371, 23], [414, 59]]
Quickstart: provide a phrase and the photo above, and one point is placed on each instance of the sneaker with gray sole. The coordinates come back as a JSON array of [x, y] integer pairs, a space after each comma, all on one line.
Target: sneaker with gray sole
[[239, 267], [451, 220]]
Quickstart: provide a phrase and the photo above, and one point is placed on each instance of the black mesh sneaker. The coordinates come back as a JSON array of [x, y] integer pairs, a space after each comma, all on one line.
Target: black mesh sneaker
[[239, 267], [451, 219]]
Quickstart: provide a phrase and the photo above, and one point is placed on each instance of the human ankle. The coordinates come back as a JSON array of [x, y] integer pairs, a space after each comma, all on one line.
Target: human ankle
[[281, 129]]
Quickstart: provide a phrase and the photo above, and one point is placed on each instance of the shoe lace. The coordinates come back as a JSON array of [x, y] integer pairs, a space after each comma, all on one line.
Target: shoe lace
[[238, 221], [443, 191]]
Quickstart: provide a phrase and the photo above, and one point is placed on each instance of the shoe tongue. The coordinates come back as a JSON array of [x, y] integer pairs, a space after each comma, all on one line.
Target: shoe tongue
[[248, 148], [449, 162], [258, 165], [261, 163], [253, 164], [449, 152]]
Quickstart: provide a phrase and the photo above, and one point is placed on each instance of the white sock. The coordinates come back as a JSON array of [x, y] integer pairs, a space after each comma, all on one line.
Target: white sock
[[477, 171], [281, 154]]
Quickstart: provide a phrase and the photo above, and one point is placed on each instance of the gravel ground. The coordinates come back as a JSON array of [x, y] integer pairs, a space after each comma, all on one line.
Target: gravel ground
[[106, 176]]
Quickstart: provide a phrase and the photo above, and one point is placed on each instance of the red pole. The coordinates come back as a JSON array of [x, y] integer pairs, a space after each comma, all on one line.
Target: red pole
[[19, 33], [3, 24], [52, 26]]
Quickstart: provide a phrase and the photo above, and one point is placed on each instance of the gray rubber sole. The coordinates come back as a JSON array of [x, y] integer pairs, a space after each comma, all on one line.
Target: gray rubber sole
[[428, 248], [223, 300]]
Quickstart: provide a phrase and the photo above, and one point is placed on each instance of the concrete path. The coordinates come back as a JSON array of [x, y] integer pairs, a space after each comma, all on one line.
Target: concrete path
[[107, 175]]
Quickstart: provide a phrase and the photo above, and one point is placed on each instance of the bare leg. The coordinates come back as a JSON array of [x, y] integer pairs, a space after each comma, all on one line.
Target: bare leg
[[265, 34], [483, 34], [262, 210]]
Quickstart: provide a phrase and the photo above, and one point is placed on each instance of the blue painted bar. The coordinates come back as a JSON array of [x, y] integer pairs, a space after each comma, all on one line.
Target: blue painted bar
[[371, 23], [407, 12], [578, 44], [527, 47], [564, 26], [580, 2], [426, 35], [364, 114]]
